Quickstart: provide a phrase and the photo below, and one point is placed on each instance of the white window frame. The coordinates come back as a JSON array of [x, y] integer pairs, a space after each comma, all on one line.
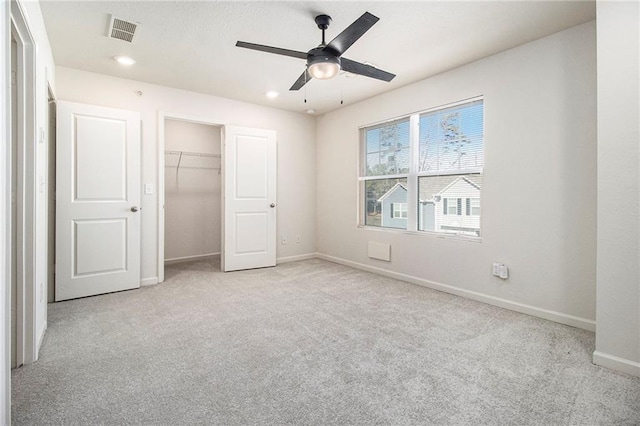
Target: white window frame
[[399, 210], [412, 176]]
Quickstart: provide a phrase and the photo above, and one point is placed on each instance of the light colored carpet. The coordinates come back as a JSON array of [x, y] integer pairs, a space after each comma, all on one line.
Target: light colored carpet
[[310, 343]]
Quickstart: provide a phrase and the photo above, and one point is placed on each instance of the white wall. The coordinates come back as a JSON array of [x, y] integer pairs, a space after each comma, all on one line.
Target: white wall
[[296, 149], [618, 277], [192, 191], [539, 185]]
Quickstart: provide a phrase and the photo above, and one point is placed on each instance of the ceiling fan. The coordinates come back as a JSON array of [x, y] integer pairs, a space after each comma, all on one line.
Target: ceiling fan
[[326, 61]]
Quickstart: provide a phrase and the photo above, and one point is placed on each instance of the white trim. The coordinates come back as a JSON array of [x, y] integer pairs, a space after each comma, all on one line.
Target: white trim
[[5, 214], [41, 337], [148, 281], [27, 341], [380, 177], [162, 116], [191, 258], [616, 363], [554, 316], [296, 258]]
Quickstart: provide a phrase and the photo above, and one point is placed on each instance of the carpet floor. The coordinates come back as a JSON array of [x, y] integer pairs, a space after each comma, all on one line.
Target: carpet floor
[[310, 343]]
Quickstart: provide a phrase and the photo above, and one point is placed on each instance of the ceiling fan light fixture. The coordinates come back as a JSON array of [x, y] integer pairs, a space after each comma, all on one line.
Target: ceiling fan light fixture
[[324, 67]]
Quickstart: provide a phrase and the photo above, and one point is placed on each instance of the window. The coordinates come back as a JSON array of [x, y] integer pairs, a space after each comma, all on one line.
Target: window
[[438, 155], [473, 208], [451, 206], [399, 210], [386, 165]]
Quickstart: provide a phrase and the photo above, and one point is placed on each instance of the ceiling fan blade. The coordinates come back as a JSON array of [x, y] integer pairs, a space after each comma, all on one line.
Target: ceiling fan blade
[[269, 49], [366, 70], [351, 34], [304, 78]]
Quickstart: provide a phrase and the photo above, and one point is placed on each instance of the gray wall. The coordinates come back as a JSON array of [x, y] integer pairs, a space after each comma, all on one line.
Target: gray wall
[[295, 138], [539, 184], [618, 329]]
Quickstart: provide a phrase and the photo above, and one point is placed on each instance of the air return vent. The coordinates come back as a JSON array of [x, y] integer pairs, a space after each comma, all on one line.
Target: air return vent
[[121, 29]]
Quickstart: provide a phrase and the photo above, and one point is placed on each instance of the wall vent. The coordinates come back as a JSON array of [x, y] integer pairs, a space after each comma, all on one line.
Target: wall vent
[[379, 251], [121, 29]]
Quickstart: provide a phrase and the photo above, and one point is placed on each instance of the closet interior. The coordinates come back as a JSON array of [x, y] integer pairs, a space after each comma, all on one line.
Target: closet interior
[[192, 191]]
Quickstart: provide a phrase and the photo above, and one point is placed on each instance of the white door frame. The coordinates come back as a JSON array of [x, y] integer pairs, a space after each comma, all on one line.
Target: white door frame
[[26, 295], [5, 214], [162, 116]]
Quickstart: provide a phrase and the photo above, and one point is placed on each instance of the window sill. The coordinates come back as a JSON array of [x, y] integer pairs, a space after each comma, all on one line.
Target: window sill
[[428, 234]]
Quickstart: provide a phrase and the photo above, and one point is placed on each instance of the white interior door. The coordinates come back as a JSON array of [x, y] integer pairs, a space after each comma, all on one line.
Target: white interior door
[[249, 182], [97, 200]]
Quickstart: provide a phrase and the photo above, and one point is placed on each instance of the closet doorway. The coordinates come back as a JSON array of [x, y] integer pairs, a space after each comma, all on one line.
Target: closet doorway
[[192, 190]]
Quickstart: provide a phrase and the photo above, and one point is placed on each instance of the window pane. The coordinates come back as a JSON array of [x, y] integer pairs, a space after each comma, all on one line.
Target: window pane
[[442, 204], [451, 139], [381, 199], [387, 149]]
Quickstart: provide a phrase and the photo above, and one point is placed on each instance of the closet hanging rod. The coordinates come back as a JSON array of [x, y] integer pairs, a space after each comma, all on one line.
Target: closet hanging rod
[[196, 154]]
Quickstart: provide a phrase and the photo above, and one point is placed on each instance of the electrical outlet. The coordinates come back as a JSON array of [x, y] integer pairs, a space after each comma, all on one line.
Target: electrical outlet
[[284, 240], [496, 269], [504, 272], [500, 270], [298, 239]]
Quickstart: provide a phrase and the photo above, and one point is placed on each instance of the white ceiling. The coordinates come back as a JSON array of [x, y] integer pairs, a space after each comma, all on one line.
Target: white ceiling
[[191, 45]]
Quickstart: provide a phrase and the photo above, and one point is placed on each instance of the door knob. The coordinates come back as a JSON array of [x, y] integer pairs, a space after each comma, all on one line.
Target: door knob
[[272, 205], [134, 209]]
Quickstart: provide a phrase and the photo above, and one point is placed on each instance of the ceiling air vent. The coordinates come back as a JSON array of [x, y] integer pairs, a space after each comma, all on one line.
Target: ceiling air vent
[[121, 29]]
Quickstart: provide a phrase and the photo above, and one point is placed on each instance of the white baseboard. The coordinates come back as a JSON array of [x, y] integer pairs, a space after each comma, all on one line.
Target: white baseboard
[[554, 316], [191, 258], [296, 258], [40, 340], [149, 281], [617, 363]]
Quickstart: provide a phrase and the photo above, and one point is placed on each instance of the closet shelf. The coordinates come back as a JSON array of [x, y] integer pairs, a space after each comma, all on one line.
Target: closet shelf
[[196, 154], [181, 154]]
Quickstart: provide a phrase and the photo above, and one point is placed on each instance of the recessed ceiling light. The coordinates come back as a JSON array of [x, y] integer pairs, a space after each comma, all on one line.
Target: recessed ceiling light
[[311, 111], [272, 94], [125, 60]]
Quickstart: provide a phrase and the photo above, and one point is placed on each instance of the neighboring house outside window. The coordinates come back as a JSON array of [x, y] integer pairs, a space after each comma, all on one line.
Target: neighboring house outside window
[[391, 208], [443, 166]]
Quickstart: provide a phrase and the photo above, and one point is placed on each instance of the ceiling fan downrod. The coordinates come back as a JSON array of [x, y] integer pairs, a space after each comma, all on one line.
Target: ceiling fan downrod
[[323, 21]]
